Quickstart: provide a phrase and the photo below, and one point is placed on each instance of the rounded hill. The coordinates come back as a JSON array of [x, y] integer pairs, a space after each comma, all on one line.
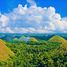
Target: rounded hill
[[5, 52], [57, 39]]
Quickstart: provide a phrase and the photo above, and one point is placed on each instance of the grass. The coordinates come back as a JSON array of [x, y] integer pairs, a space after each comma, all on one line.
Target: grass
[[5, 52], [57, 39]]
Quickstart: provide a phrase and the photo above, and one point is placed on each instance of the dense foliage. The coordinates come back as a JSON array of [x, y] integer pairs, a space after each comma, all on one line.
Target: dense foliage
[[36, 54]]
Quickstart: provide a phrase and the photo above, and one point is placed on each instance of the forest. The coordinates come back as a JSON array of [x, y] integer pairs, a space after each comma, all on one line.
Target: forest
[[35, 52]]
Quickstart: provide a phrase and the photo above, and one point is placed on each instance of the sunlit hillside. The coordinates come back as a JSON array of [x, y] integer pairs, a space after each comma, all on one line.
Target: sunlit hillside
[[5, 52], [60, 40], [57, 39], [33, 39]]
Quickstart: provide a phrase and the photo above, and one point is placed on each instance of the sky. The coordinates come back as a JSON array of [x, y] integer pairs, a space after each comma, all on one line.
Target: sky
[[60, 5], [33, 16]]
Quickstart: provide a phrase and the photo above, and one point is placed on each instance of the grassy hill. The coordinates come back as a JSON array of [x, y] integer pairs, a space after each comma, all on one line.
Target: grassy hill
[[60, 40], [5, 52], [57, 39], [32, 39]]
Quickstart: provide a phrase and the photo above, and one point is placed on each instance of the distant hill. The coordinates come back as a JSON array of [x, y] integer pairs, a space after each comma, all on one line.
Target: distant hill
[[5, 52], [57, 39], [60, 40], [32, 39]]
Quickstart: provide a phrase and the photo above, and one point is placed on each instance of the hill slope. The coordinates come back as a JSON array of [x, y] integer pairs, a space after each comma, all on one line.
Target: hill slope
[[5, 52], [57, 39], [60, 40], [32, 39]]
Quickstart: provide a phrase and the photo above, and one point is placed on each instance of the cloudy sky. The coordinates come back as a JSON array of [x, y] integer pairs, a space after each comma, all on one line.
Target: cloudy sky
[[33, 16]]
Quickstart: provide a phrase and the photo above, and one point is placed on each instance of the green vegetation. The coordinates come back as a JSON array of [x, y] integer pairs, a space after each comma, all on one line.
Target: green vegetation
[[38, 53]]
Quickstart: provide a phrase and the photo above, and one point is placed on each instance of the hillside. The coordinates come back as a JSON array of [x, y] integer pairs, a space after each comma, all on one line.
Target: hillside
[[5, 52], [60, 40], [32, 39], [57, 39]]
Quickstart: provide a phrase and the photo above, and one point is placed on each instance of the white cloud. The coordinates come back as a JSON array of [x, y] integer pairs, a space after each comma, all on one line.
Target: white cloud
[[6, 30], [3, 20], [33, 20], [31, 2]]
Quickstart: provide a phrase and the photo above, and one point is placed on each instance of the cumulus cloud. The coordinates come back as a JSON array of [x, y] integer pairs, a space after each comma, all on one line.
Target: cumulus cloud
[[3, 20], [31, 2], [32, 20]]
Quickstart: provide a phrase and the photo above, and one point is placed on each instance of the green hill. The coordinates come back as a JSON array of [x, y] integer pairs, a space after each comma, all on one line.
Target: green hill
[[57, 39], [5, 52], [32, 39]]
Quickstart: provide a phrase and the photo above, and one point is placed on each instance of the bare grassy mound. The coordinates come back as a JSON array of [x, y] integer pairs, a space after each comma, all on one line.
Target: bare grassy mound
[[57, 39], [5, 52], [60, 40]]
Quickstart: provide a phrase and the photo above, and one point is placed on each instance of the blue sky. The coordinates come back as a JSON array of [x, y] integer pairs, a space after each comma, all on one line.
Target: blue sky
[[60, 5], [33, 16]]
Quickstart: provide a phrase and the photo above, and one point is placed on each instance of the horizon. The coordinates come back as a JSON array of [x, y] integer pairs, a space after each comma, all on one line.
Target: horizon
[[32, 33]]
